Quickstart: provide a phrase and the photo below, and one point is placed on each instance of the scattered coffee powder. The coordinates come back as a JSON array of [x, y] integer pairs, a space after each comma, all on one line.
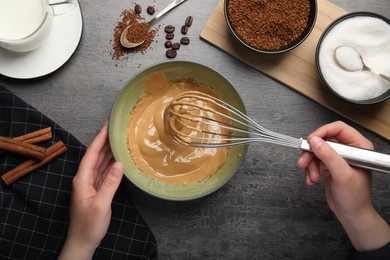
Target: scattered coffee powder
[[269, 24], [140, 31], [130, 17]]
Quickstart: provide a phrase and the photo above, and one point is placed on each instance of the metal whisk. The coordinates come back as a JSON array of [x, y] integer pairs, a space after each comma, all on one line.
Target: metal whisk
[[200, 120]]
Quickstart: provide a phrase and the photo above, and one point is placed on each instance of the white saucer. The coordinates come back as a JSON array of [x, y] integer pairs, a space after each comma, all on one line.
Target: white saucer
[[55, 52]]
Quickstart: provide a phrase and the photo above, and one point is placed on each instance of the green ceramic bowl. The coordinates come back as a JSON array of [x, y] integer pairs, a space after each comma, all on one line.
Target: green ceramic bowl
[[119, 117]]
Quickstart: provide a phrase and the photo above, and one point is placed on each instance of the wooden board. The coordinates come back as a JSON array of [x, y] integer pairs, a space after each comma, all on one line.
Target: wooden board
[[297, 70]]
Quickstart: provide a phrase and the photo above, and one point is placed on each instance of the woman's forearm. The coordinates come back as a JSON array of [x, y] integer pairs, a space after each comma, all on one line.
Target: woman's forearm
[[367, 232]]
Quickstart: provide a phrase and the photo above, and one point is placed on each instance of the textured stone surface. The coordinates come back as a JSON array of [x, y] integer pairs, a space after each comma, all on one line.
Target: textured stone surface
[[266, 211]]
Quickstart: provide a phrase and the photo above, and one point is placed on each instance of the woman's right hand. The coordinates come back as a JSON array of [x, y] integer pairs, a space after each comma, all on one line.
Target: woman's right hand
[[348, 189]]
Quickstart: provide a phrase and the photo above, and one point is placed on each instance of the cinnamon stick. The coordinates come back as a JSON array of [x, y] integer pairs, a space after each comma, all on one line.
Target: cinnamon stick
[[26, 149], [30, 165], [35, 137]]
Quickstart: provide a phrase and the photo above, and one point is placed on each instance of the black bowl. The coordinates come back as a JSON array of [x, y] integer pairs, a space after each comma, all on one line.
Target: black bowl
[[375, 100], [306, 32]]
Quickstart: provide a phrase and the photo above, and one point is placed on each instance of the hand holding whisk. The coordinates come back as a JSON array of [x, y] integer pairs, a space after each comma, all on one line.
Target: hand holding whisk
[[200, 120]]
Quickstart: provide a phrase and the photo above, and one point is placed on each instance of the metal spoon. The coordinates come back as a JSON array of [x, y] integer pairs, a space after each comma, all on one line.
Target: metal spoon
[[125, 42], [345, 54]]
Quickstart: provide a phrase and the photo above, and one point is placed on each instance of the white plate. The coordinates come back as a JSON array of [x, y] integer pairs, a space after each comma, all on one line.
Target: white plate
[[55, 52]]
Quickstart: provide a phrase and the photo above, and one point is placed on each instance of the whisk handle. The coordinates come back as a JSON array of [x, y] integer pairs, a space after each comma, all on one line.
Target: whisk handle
[[359, 157]]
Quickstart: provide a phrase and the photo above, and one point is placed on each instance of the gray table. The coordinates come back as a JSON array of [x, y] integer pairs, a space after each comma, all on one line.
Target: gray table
[[266, 211]]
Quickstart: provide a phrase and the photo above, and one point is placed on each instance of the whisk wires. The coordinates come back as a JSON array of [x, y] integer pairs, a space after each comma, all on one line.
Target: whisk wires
[[219, 123]]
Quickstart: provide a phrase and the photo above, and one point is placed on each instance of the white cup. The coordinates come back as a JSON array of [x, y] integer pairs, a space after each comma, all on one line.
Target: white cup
[[26, 24]]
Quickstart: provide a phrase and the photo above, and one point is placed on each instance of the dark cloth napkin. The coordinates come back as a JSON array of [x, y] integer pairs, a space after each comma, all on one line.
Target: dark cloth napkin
[[34, 210]]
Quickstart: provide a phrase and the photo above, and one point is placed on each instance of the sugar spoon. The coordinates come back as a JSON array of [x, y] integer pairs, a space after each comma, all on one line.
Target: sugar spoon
[[350, 59], [127, 44]]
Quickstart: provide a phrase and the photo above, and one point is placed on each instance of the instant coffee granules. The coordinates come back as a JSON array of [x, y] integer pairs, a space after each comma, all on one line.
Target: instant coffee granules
[[268, 24], [138, 32], [138, 27]]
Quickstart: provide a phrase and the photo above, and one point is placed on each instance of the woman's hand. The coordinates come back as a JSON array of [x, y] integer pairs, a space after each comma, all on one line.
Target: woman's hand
[[94, 187], [348, 189]]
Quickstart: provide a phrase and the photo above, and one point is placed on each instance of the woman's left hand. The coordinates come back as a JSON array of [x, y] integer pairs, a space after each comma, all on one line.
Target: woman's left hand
[[94, 187]]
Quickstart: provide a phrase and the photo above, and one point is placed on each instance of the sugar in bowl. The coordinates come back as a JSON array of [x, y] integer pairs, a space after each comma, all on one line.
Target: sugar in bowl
[[347, 45]]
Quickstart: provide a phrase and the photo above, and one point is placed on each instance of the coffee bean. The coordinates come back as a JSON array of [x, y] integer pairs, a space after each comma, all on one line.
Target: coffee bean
[[168, 44], [170, 36], [176, 46], [137, 9], [150, 10], [185, 40], [169, 28], [184, 29], [171, 53], [188, 21]]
